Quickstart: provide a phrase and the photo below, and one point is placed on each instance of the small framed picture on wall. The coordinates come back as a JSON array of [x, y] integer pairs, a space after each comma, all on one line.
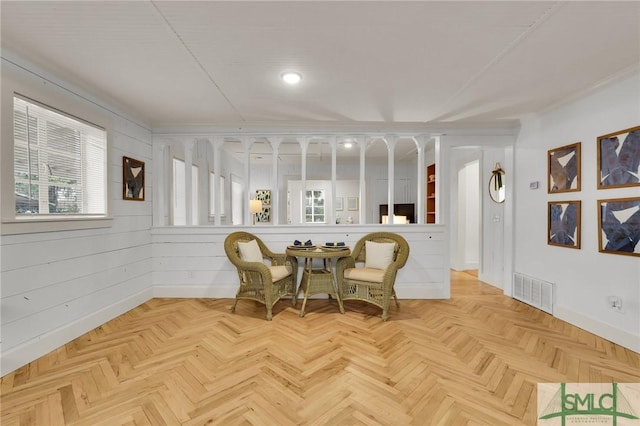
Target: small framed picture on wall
[[564, 224], [563, 165], [619, 226], [619, 159], [132, 179], [352, 203]]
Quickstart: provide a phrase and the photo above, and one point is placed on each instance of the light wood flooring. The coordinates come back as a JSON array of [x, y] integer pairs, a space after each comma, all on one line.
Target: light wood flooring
[[473, 359]]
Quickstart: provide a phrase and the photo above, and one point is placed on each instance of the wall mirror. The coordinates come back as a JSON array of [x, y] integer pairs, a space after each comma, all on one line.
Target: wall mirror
[[497, 184]]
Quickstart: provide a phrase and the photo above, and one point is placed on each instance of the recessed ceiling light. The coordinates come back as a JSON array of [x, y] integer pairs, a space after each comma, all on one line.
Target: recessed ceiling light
[[291, 77], [348, 145]]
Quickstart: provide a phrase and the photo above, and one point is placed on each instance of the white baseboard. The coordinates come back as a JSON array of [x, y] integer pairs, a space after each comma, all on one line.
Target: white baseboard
[[606, 331], [23, 354]]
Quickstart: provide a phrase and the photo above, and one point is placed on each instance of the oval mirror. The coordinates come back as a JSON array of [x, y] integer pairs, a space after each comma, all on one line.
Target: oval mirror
[[496, 185]]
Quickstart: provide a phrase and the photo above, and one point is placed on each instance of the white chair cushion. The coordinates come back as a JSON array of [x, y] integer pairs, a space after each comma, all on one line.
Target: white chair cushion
[[279, 272], [249, 251], [371, 275], [378, 255]]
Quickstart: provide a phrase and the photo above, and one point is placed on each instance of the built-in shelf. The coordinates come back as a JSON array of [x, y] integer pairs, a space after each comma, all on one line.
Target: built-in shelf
[[431, 194]]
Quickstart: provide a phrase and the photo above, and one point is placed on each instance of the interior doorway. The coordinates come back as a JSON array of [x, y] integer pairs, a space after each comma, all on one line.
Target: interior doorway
[[466, 210], [469, 216]]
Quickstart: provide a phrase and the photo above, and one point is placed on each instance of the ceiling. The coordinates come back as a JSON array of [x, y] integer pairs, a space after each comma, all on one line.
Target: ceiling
[[180, 63]]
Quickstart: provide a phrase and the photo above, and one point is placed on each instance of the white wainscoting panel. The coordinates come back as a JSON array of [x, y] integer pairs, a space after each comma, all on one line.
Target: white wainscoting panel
[[191, 262]]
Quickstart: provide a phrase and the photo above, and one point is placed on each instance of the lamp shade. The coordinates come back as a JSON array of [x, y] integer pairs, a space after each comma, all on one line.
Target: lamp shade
[[255, 206]]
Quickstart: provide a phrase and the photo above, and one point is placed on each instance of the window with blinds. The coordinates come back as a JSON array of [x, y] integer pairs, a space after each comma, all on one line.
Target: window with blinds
[[59, 162]]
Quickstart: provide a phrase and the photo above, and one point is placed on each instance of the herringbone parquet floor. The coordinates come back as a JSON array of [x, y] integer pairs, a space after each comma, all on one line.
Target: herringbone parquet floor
[[474, 359]]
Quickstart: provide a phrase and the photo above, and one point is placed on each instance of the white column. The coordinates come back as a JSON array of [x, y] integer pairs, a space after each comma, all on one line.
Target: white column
[[187, 145], [332, 213], [362, 142], [421, 142], [304, 145], [391, 146], [246, 143], [159, 183], [216, 143], [442, 201], [275, 206]]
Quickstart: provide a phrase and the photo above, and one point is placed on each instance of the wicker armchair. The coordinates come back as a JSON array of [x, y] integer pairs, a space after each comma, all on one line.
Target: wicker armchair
[[372, 285], [258, 281]]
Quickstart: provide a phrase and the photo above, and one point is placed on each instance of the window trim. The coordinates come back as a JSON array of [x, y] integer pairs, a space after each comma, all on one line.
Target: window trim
[[74, 123], [15, 82]]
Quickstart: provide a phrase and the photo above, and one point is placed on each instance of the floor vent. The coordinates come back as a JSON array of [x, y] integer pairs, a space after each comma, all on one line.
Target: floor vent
[[533, 291]]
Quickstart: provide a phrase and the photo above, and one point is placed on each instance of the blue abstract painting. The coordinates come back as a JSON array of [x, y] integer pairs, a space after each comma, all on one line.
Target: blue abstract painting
[[564, 224], [620, 226], [564, 168], [619, 159]]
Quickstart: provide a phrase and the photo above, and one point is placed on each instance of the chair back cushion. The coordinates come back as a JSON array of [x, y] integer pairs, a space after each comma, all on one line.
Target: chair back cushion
[[379, 255], [365, 274], [249, 251], [279, 272]]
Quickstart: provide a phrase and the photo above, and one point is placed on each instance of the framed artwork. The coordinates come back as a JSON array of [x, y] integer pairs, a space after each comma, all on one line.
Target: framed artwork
[[352, 203], [264, 195], [564, 224], [563, 167], [619, 226], [264, 216], [132, 179], [619, 159], [339, 205]]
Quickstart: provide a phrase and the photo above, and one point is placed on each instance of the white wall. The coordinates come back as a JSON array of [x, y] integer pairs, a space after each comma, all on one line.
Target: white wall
[[583, 278], [59, 285]]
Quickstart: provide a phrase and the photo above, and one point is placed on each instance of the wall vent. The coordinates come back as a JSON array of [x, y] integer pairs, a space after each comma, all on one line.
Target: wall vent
[[533, 291]]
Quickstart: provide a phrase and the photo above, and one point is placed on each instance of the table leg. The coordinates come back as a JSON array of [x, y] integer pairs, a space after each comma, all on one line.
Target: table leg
[[335, 288], [308, 265]]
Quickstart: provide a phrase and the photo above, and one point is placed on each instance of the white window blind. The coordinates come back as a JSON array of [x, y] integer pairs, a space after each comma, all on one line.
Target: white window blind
[[59, 162]]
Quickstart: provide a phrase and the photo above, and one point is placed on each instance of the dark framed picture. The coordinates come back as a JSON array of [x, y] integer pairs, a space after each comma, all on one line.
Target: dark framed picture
[[619, 226], [619, 159], [132, 179], [564, 168], [264, 195], [264, 216], [564, 224]]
